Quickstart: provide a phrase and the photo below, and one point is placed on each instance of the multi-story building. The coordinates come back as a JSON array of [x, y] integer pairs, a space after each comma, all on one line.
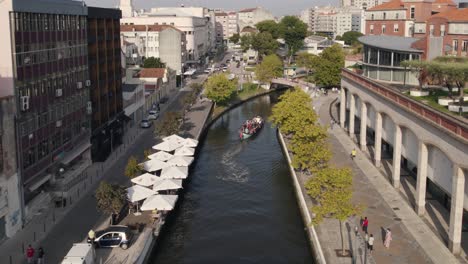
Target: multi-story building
[[251, 16], [44, 67], [105, 72], [226, 25], [160, 41], [196, 22], [334, 21], [405, 18], [363, 4]]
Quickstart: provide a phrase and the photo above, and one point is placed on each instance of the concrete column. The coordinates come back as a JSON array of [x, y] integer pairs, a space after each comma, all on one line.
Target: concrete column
[[352, 111], [397, 157], [421, 181], [456, 209], [378, 139], [342, 108], [363, 139]]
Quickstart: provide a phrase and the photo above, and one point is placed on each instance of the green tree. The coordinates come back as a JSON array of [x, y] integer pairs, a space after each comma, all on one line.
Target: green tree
[[331, 188], [219, 88], [329, 65], [146, 153], [246, 42], [235, 38], [132, 169], [110, 198], [271, 67], [307, 60], [311, 151], [264, 43], [351, 37], [153, 62], [453, 71], [294, 32], [169, 124], [419, 68], [271, 27]]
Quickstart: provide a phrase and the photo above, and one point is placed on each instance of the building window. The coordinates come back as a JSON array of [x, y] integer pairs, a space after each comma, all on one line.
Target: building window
[[383, 29], [442, 30], [372, 29], [397, 16], [372, 16], [412, 12], [431, 30], [395, 28], [464, 45], [455, 45], [384, 15]]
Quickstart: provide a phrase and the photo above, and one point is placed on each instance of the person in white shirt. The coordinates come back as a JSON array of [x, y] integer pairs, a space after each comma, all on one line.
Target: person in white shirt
[[370, 243]]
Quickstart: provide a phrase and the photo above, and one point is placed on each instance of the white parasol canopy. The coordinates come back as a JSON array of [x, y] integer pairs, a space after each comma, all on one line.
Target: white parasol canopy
[[159, 202], [184, 151], [160, 155], [174, 138], [180, 161], [167, 184], [167, 146], [137, 193], [154, 165], [174, 173], [190, 142], [146, 179]]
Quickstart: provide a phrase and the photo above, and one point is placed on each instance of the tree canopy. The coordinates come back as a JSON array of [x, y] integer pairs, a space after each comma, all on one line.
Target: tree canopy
[[294, 32], [271, 27], [153, 62], [264, 43], [328, 66], [169, 124], [235, 38], [132, 169], [219, 88], [110, 198], [351, 37], [246, 42], [271, 67], [307, 60]]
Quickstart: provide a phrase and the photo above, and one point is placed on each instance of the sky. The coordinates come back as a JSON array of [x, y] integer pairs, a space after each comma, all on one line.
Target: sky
[[277, 7]]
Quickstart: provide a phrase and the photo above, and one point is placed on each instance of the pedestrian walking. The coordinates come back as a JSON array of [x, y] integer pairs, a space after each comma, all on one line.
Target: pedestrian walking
[[30, 254], [370, 243], [388, 238], [91, 236], [365, 224], [353, 153], [40, 256]]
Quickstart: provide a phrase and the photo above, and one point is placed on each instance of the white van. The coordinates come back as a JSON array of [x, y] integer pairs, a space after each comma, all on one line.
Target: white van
[[80, 253]]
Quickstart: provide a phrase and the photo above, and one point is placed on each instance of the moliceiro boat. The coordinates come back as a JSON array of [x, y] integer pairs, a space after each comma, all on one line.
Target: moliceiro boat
[[250, 127]]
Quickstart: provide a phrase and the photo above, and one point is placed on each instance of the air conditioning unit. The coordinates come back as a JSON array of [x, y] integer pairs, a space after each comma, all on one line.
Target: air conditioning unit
[[58, 123], [88, 83], [79, 85], [58, 92], [89, 108], [24, 103]]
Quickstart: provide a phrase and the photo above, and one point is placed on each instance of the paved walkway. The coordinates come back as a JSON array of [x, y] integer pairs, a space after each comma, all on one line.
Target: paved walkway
[[413, 241]]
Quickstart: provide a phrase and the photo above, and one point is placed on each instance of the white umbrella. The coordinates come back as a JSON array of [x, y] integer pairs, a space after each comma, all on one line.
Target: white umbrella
[[154, 165], [167, 146], [159, 202], [190, 142], [137, 193], [160, 155], [180, 161], [167, 184], [174, 138], [174, 173], [146, 179], [184, 151]]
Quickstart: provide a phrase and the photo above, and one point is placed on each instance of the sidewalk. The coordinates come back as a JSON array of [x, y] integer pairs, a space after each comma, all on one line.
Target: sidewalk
[[413, 241]]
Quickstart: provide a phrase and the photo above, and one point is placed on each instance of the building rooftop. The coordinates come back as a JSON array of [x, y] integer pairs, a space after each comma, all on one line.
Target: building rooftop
[[390, 42], [455, 15], [392, 5], [448, 2], [248, 10], [128, 88], [154, 28], [221, 14], [152, 73]]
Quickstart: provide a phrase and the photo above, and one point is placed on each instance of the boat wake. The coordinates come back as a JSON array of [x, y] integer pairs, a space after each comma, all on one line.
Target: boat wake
[[231, 170]]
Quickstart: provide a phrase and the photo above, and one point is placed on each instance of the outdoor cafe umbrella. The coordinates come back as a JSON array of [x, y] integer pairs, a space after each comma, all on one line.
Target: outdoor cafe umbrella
[[174, 173], [159, 202], [174, 138], [160, 155], [137, 193], [146, 179], [180, 161], [190, 142], [167, 146], [167, 184], [184, 151], [153, 165]]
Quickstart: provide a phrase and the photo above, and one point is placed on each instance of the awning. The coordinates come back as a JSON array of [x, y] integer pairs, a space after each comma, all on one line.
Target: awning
[[75, 152], [125, 118], [38, 182]]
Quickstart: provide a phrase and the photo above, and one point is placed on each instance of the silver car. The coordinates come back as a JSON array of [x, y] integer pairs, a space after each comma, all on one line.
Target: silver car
[[146, 123], [113, 236]]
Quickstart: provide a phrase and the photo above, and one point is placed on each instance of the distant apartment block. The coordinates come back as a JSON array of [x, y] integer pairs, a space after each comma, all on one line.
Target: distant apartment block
[[251, 16]]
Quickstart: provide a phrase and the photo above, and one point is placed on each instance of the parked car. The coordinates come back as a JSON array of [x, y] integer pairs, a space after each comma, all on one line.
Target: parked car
[[113, 236], [153, 115], [146, 123], [228, 60]]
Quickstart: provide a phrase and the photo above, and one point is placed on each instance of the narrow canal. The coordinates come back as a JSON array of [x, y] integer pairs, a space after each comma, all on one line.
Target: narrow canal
[[239, 205]]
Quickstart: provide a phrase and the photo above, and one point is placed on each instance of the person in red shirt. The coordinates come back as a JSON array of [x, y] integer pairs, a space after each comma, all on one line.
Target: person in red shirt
[[30, 254], [365, 224]]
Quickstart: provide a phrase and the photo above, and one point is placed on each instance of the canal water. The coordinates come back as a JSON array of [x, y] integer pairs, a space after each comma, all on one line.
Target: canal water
[[239, 205]]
